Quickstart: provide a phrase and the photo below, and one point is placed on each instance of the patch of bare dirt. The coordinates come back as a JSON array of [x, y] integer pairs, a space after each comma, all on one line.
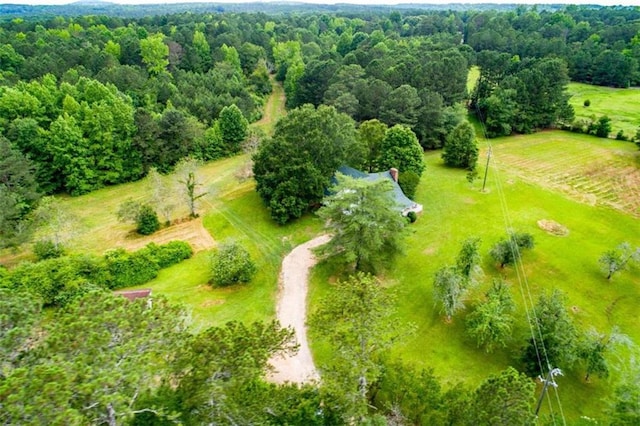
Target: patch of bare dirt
[[552, 227], [429, 251], [191, 231], [209, 303]]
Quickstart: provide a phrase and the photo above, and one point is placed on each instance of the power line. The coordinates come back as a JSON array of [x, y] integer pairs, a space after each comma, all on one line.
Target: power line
[[523, 283]]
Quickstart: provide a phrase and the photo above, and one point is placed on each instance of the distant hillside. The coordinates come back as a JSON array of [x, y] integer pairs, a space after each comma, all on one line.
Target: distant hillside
[[97, 7]]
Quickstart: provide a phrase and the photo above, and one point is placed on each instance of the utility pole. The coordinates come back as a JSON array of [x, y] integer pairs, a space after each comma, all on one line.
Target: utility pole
[[486, 169], [546, 382]]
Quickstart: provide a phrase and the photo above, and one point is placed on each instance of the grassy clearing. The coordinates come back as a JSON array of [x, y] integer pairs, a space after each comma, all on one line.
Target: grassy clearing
[[98, 228], [273, 110], [242, 217], [231, 209], [455, 210], [472, 79], [591, 170], [620, 105]]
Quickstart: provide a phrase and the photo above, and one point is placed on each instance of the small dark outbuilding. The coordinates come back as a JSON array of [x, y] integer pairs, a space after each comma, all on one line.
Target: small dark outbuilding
[[134, 294]]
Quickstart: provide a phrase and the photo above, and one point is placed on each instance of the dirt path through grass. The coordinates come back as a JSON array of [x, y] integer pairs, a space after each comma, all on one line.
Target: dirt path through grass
[[292, 312], [273, 110]]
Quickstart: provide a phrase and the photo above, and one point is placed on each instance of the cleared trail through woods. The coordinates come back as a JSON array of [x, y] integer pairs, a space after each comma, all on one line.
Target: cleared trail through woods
[[292, 312]]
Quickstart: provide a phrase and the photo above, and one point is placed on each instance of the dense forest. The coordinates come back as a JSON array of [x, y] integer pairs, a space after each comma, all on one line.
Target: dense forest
[[90, 101], [97, 100]]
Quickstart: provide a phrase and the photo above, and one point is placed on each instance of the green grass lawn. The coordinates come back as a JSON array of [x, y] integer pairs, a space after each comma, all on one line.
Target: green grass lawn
[[620, 105], [273, 110], [472, 79], [235, 212], [455, 210]]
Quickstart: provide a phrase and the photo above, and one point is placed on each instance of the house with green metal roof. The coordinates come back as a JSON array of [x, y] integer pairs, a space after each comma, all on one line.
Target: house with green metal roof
[[403, 203]]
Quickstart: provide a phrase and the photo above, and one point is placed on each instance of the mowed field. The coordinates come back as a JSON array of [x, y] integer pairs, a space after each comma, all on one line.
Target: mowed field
[[521, 190], [590, 170], [622, 106]]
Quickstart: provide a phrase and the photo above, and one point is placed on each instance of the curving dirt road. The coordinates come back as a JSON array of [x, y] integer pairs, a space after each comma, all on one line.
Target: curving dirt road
[[292, 312]]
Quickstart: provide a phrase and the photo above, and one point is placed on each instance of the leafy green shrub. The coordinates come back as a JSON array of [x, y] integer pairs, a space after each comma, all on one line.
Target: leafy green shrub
[[580, 126], [169, 254], [412, 216], [507, 250], [409, 181], [147, 220], [620, 136], [231, 264], [587, 103], [58, 281], [460, 147], [47, 249], [142, 215], [600, 128], [130, 269]]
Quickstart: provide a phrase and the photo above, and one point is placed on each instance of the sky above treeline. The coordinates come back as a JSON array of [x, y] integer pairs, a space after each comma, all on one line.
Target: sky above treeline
[[361, 2]]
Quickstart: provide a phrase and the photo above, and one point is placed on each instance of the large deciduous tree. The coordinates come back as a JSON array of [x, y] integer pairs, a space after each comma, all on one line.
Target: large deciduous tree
[[400, 149], [294, 168], [155, 54], [366, 227], [555, 336], [460, 147], [357, 318], [491, 322], [370, 135], [449, 289], [594, 346], [504, 399], [218, 373], [18, 194], [233, 128]]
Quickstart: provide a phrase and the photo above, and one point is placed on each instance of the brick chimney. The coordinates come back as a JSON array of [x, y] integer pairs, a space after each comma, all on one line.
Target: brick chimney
[[394, 173]]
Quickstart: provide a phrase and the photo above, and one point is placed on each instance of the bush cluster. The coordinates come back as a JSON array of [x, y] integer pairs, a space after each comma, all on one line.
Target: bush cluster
[[59, 280], [507, 250], [600, 127], [231, 264], [147, 221], [143, 215], [47, 249], [170, 253]]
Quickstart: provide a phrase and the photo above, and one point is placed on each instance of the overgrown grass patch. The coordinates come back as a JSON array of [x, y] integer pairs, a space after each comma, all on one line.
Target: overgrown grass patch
[[620, 105]]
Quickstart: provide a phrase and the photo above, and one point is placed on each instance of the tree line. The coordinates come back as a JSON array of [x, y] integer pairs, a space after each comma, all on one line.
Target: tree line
[[106, 360], [89, 101]]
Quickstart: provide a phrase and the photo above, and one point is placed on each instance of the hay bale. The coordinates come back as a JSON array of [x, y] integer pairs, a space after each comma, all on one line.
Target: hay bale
[[552, 227]]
